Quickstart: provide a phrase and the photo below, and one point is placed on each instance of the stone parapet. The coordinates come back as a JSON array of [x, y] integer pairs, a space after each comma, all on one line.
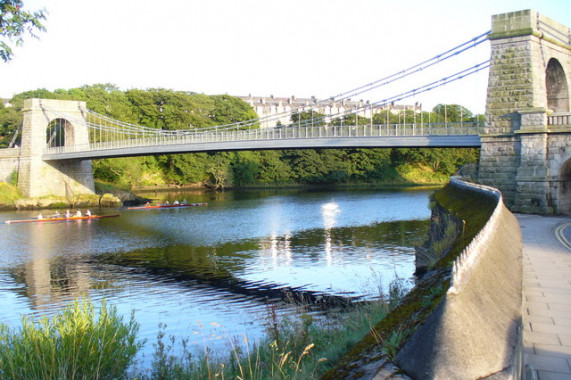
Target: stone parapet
[[533, 120]]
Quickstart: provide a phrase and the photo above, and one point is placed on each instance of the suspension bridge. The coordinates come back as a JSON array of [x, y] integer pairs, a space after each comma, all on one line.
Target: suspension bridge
[[113, 138], [528, 80], [126, 141]]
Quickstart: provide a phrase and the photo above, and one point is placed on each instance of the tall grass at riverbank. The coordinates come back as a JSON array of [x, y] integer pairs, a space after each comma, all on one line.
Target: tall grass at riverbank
[[75, 344], [303, 348], [8, 193], [78, 344]]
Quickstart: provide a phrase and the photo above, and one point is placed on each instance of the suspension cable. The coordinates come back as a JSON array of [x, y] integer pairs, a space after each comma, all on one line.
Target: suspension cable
[[472, 43], [104, 123]]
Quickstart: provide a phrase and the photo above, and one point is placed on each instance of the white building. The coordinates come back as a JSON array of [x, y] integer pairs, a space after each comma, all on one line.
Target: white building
[[273, 110]]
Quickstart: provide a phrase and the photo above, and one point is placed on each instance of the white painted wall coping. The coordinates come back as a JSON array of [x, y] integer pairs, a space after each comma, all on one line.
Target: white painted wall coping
[[468, 259]]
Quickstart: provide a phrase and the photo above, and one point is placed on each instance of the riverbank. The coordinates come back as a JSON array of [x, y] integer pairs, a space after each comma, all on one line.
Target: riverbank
[[436, 331], [105, 196], [109, 195], [76, 202]]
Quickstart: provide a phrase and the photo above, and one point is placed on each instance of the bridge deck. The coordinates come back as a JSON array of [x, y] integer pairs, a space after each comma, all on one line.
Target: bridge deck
[[290, 137]]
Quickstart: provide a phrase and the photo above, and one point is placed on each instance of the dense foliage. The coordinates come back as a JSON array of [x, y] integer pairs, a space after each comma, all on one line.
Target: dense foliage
[[14, 24], [77, 343], [167, 109]]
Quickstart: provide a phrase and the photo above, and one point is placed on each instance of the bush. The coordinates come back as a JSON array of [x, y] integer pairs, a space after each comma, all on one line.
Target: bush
[[75, 344], [13, 178], [8, 193]]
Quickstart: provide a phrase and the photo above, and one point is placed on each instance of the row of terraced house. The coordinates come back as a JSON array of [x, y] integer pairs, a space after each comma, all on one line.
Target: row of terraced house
[[274, 111]]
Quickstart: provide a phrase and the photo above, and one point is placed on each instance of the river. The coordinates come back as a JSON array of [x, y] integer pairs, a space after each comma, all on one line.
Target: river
[[209, 272]]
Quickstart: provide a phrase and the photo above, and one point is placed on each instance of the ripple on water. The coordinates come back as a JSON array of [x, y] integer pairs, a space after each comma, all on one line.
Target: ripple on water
[[208, 273]]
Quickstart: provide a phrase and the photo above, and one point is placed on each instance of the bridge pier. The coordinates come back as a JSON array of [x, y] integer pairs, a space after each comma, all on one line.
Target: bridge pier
[[533, 180], [526, 150], [38, 178]]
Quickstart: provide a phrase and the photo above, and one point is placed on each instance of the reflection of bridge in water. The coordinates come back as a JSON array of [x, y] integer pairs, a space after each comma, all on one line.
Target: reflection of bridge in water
[[56, 275]]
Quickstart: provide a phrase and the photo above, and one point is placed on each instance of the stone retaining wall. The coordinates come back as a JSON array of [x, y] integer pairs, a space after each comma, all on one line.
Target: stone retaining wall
[[475, 332], [9, 159]]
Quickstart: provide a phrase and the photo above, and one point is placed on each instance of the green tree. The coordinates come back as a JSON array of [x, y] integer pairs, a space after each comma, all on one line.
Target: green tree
[[274, 168], [246, 168], [219, 170], [309, 118], [385, 117], [337, 166], [351, 119], [185, 168], [174, 110], [307, 164], [230, 109], [10, 120], [368, 164], [451, 113], [15, 23], [125, 171]]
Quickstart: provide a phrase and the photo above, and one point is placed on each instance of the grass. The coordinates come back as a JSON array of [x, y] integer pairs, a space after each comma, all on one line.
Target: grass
[[420, 174], [8, 193], [294, 348], [79, 343], [103, 187], [75, 344]]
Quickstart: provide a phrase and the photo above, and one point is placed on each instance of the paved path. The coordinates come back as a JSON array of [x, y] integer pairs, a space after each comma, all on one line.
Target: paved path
[[547, 296]]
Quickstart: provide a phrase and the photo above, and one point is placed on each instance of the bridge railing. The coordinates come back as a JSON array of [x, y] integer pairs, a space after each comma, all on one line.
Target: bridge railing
[[289, 132], [559, 118]]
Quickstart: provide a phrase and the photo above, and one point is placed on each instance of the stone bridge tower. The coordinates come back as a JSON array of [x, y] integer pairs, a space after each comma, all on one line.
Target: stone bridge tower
[[526, 149], [45, 126]]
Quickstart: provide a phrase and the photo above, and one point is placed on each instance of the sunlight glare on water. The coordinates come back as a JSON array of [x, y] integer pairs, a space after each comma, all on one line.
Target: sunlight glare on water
[[210, 272]]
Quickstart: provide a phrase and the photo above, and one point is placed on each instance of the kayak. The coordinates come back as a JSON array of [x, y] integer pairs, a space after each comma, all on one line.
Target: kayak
[[167, 206], [61, 219]]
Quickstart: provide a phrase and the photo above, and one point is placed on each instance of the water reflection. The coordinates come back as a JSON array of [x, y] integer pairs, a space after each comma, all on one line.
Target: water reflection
[[329, 212], [218, 265], [278, 249], [50, 277], [327, 262]]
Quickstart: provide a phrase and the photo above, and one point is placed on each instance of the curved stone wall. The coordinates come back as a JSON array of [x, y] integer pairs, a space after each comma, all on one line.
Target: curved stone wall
[[475, 331]]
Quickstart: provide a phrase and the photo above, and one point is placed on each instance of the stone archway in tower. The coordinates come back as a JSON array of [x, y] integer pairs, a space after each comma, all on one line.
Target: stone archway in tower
[[565, 189], [59, 133], [557, 87]]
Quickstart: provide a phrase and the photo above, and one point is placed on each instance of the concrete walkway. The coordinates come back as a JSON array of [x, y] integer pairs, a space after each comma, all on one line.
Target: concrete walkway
[[547, 296]]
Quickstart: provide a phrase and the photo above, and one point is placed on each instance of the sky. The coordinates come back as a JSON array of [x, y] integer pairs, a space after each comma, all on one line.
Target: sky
[[299, 48]]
